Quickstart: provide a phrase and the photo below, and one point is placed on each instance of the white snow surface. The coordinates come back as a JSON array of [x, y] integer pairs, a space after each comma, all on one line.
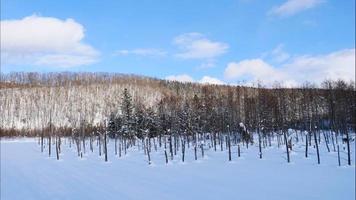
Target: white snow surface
[[26, 173]]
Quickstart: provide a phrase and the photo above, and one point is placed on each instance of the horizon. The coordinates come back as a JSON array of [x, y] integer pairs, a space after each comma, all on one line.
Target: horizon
[[256, 84]]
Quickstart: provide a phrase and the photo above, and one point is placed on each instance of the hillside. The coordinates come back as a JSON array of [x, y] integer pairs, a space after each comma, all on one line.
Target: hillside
[[32, 101]]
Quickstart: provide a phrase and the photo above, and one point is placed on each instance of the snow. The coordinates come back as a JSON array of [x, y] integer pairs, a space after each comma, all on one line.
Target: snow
[[26, 173], [92, 103]]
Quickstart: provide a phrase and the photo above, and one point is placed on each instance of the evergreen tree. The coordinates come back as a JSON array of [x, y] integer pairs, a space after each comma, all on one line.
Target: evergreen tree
[[112, 128], [127, 114]]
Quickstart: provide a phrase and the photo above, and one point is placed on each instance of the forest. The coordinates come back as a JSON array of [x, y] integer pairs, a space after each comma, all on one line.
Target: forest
[[135, 110]]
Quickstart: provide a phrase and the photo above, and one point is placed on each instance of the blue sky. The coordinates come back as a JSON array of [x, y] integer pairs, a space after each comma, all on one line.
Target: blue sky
[[225, 41]]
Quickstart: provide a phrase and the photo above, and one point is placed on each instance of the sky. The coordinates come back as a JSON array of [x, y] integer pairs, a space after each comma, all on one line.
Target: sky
[[207, 41]]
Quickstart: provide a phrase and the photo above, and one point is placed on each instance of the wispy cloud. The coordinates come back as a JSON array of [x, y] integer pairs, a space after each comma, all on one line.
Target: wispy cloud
[[277, 55], [142, 52], [211, 80], [197, 46], [184, 78], [189, 46], [181, 78], [45, 41], [210, 63], [292, 7]]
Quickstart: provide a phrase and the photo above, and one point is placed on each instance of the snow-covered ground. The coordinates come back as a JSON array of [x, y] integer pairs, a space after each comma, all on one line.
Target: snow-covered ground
[[26, 173]]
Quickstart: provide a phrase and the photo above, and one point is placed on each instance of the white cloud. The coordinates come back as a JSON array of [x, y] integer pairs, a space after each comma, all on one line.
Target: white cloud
[[181, 78], [335, 65], [211, 80], [292, 7], [197, 46], [184, 78], [45, 41], [142, 52], [253, 70]]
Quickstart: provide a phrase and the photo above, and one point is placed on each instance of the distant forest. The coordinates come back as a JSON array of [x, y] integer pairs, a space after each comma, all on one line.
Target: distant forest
[[67, 103]]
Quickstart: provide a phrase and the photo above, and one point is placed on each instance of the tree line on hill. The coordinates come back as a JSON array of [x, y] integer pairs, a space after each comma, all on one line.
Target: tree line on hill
[[129, 108], [30, 101]]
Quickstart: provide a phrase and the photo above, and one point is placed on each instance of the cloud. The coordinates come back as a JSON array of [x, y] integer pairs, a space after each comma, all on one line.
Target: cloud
[[181, 78], [253, 70], [142, 52], [335, 65], [292, 7], [211, 80], [298, 69], [184, 78], [64, 60], [197, 46], [279, 55], [45, 41], [210, 63]]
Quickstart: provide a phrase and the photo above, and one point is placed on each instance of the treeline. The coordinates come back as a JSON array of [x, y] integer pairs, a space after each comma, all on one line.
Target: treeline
[[34, 103]]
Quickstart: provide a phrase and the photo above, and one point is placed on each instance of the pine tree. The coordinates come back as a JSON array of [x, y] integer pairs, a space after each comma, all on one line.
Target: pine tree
[[112, 128], [127, 114]]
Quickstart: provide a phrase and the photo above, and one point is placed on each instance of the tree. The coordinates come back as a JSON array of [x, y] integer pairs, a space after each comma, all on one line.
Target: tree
[[127, 113]]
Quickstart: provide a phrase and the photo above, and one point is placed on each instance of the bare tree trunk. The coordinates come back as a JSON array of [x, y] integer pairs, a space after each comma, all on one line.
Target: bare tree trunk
[[42, 142], [165, 153], [317, 147], [125, 148], [160, 141], [278, 140], [148, 153], [285, 140], [115, 144], [348, 149], [326, 142], [214, 141], [259, 145], [83, 144], [99, 145], [175, 145], [105, 147], [238, 150], [57, 152], [332, 139], [183, 150], [229, 145], [91, 144], [49, 146], [306, 145], [269, 140], [78, 146], [120, 146], [59, 144], [171, 147], [154, 144], [338, 155]]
